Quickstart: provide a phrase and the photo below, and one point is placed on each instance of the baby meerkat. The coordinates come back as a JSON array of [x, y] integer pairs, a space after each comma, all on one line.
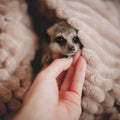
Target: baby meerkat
[[64, 40]]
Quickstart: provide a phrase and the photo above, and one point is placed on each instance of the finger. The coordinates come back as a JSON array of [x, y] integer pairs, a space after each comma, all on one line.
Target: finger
[[58, 66], [69, 77], [76, 56], [79, 76], [56, 56], [60, 79], [45, 66]]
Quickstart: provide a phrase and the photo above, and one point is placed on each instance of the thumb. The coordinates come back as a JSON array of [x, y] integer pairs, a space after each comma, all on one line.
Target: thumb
[[58, 66]]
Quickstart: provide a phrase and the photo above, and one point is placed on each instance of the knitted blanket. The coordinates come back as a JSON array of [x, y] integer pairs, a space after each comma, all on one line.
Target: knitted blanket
[[98, 24], [17, 49]]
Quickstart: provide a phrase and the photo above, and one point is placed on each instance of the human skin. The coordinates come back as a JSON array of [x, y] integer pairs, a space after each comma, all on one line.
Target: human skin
[[56, 91]]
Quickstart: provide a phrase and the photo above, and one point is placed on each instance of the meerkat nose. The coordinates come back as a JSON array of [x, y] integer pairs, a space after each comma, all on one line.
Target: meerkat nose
[[71, 48]]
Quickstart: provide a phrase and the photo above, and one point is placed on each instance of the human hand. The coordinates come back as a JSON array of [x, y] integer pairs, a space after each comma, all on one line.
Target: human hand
[[56, 94]]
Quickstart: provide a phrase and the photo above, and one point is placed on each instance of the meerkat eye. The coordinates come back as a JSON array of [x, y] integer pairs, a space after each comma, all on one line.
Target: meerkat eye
[[75, 39], [60, 40]]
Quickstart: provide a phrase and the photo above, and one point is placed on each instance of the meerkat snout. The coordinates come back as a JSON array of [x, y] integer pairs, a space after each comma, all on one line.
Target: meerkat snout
[[71, 49]]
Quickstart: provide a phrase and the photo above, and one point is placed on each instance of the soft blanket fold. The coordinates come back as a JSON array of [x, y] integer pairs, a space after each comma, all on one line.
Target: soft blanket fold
[[17, 49]]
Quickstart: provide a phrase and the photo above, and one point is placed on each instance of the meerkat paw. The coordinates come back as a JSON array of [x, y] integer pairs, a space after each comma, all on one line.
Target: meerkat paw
[[46, 59]]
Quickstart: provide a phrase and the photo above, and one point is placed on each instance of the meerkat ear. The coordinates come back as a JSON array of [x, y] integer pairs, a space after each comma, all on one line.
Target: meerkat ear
[[50, 30]]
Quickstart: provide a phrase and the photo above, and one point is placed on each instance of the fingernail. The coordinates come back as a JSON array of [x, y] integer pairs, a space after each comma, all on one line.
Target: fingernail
[[67, 56]]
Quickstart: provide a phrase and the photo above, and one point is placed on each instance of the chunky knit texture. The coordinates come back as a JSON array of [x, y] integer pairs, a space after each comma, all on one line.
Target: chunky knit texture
[[17, 49]]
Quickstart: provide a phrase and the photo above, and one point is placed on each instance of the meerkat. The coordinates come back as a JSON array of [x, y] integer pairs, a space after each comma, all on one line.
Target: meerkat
[[64, 40]]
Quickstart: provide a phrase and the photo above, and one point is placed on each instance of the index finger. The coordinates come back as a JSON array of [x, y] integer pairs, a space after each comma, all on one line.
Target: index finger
[[79, 76], [58, 66], [70, 73]]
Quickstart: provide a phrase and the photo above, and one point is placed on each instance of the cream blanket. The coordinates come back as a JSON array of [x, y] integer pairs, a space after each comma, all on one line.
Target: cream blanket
[[98, 22], [17, 49]]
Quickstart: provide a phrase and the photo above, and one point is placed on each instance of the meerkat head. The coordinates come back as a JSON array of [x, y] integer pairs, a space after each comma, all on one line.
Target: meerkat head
[[63, 39]]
